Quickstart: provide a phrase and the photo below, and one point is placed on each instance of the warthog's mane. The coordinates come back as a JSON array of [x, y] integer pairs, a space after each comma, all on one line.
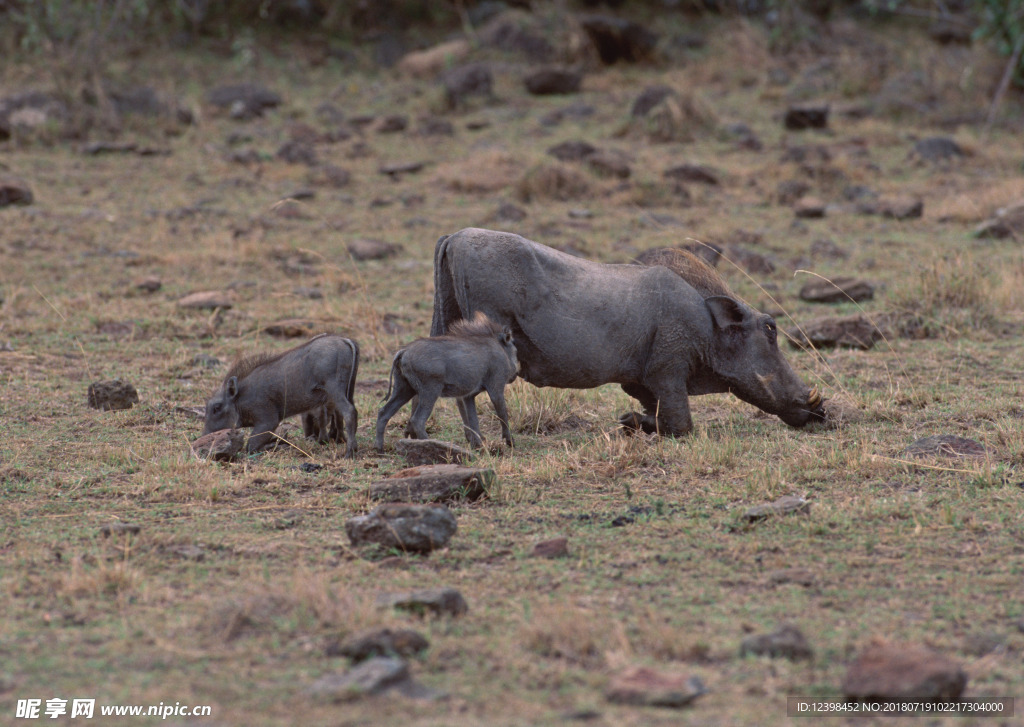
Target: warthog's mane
[[691, 268], [248, 363], [480, 326]]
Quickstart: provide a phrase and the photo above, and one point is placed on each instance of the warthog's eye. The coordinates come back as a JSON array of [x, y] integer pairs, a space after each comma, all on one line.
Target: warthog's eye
[[215, 408], [771, 332]]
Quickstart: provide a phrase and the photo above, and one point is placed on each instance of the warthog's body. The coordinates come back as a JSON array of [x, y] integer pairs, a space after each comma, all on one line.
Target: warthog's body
[[475, 356], [316, 379], [580, 324]]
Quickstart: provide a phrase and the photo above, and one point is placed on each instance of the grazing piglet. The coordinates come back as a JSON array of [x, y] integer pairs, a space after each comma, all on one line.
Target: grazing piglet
[[316, 379], [474, 356]]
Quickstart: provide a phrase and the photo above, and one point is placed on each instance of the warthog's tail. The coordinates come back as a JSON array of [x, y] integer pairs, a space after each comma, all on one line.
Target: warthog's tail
[[395, 363], [350, 386], [444, 291]]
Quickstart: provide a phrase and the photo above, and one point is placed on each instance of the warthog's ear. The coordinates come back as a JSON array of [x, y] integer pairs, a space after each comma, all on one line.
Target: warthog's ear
[[232, 388], [725, 311]]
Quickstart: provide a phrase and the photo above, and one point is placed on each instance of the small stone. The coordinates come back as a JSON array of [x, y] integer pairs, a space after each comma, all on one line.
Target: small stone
[[14, 191], [112, 395], [434, 483], [297, 152], [391, 124], [807, 208], [554, 548], [308, 291], [435, 601], [838, 290], [462, 83], [572, 151], [188, 552], [1007, 222], [369, 249], [291, 328], [608, 164], [380, 642], [550, 81], [119, 528], [649, 98], [220, 446], [896, 208], [397, 169], [697, 173], [150, 284], [945, 445], [806, 116], [783, 506], [207, 299], [645, 687], [374, 676], [409, 528], [431, 451], [936, 149], [903, 673], [788, 642], [854, 331], [510, 213], [791, 576]]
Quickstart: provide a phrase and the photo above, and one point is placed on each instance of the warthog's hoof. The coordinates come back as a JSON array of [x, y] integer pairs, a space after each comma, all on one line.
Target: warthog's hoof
[[634, 421]]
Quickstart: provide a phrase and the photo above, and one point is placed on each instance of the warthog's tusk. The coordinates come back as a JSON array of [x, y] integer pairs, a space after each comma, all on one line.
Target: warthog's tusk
[[814, 398]]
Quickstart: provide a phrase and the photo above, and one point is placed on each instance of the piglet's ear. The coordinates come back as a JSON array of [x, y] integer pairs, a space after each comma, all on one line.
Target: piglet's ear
[[232, 388], [725, 311]]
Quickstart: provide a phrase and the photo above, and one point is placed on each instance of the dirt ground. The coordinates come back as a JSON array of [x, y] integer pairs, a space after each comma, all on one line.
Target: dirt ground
[[240, 579]]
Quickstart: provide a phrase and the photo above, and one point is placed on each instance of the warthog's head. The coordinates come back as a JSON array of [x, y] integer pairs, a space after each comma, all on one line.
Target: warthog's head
[[747, 359], [222, 408]]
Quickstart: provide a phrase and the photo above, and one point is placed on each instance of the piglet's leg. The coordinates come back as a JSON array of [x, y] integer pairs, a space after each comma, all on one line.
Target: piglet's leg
[[402, 393], [498, 400], [418, 421], [470, 421]]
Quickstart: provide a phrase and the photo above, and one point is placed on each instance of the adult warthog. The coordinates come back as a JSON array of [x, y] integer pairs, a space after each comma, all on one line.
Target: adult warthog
[[578, 324]]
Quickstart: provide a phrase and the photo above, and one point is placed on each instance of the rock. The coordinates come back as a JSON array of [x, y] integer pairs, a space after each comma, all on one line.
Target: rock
[[297, 152], [370, 249], [897, 208], [112, 395], [244, 100], [149, 284], [828, 249], [431, 61], [806, 116], [936, 149], [698, 173], [838, 290], [14, 191], [207, 299], [377, 675], [291, 328], [1007, 222], [510, 213], [645, 687], [391, 124], [788, 642], [809, 208], [783, 506], [410, 528], [434, 126], [30, 110], [119, 528], [517, 32], [435, 601], [616, 39], [753, 262], [791, 576], [308, 291], [434, 483], [948, 30], [649, 98], [379, 642], [461, 84], [854, 331], [609, 164], [431, 451], [194, 553], [903, 673], [945, 445], [550, 81], [572, 151], [396, 169], [332, 175], [220, 446], [554, 548]]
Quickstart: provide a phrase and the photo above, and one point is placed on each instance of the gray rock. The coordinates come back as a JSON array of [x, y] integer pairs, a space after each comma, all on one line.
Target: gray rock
[[396, 169], [854, 331], [435, 601], [789, 191], [298, 152], [698, 173], [291, 328], [553, 548], [896, 208], [945, 445], [112, 395], [119, 528], [244, 100], [645, 687], [572, 151], [791, 576], [783, 506], [377, 675], [410, 528], [206, 299], [380, 642], [1008, 222], [369, 249], [788, 642], [806, 116], [465, 82], [903, 673], [391, 124], [551, 81], [609, 164], [808, 208], [936, 149], [14, 191], [430, 451], [221, 446], [838, 290], [649, 99], [434, 483]]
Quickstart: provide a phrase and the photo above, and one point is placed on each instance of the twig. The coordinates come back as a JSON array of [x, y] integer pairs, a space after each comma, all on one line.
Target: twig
[[1004, 84]]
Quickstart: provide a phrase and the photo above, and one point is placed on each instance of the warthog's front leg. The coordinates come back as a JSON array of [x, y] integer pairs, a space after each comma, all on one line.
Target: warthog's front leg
[[401, 394], [498, 401], [470, 421], [262, 436]]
